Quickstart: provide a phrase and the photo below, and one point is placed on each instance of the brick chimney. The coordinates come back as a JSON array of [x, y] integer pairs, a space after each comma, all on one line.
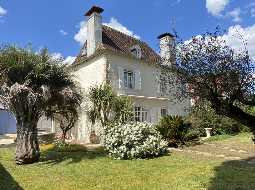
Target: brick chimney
[[94, 29], [167, 48]]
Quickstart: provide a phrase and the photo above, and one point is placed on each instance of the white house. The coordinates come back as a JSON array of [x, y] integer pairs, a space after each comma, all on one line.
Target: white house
[[131, 67]]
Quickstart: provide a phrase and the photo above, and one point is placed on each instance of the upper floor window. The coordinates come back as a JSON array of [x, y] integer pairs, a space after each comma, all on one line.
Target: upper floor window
[[129, 79], [136, 51]]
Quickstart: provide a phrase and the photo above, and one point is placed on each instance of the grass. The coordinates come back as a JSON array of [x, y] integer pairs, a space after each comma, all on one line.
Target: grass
[[242, 137], [91, 170]]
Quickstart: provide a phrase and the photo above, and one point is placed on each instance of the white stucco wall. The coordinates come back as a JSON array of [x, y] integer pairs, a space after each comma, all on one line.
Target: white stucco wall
[[92, 72], [88, 74], [107, 67], [148, 96]]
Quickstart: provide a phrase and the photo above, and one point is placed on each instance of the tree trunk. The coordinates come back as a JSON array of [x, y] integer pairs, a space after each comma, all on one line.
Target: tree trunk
[[63, 137], [27, 149]]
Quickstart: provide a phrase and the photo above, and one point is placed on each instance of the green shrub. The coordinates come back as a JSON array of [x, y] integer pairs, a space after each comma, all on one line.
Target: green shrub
[[131, 141], [203, 116], [176, 132], [61, 146]]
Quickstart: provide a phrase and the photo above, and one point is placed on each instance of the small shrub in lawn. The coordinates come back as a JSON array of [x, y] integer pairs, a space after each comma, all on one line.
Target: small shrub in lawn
[[133, 140], [176, 132], [61, 146]]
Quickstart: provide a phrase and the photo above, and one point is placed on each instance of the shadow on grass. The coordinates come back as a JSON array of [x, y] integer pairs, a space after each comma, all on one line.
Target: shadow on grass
[[6, 180], [8, 145], [72, 154], [234, 175]]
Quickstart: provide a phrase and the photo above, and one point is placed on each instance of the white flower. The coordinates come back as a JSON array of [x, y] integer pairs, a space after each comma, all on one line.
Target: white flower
[[131, 141]]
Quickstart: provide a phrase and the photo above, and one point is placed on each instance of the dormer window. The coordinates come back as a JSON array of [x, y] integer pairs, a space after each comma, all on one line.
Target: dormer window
[[136, 51]]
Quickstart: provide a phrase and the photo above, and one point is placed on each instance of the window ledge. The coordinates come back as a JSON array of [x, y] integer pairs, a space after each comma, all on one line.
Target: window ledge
[[144, 97]]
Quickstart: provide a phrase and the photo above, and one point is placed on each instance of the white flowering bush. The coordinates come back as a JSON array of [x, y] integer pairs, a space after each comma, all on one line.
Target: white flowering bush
[[133, 140]]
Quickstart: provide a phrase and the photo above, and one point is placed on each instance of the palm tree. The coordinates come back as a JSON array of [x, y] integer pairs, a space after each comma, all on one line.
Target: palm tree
[[33, 84], [107, 107]]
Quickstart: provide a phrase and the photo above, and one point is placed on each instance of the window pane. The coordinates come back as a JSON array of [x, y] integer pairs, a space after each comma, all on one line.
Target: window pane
[[137, 114], [163, 112], [129, 79]]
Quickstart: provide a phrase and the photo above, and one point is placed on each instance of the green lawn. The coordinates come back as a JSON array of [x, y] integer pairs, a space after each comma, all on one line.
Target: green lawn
[[87, 170]]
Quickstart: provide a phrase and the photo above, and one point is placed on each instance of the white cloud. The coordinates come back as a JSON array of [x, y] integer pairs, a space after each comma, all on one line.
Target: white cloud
[[81, 36], [118, 26], [215, 7], [235, 15], [234, 41], [69, 60], [2, 11], [235, 37], [56, 56], [64, 33]]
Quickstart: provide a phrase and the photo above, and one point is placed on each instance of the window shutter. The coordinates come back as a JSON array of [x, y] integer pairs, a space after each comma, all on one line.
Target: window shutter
[[158, 84], [121, 77], [138, 80]]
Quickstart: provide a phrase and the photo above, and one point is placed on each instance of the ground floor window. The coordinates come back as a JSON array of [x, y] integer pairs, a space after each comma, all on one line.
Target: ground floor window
[[163, 112], [141, 114]]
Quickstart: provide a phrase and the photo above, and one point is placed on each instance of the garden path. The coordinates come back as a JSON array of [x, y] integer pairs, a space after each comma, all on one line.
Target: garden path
[[232, 148]]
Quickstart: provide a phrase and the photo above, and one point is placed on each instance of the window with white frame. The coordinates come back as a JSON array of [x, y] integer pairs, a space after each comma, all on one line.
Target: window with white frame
[[163, 112], [141, 114], [129, 79]]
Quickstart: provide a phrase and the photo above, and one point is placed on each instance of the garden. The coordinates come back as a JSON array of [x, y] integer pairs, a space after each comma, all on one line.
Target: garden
[[171, 154], [81, 168]]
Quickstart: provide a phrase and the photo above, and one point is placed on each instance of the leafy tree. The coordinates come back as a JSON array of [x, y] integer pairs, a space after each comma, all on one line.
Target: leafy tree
[[33, 84], [216, 73], [107, 107], [123, 109], [66, 112], [203, 116]]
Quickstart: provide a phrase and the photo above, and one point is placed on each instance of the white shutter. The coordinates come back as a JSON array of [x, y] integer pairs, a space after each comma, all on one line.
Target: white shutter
[[158, 83], [121, 77], [138, 80]]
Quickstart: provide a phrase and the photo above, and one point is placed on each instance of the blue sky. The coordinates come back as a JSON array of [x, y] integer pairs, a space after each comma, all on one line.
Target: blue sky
[[57, 24]]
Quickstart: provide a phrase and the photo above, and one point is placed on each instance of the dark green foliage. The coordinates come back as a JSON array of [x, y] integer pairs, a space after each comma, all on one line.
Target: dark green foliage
[[215, 72], [33, 84], [203, 116], [176, 132], [107, 107]]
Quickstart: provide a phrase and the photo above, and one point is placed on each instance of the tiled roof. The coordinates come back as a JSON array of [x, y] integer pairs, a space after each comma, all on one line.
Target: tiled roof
[[119, 43]]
